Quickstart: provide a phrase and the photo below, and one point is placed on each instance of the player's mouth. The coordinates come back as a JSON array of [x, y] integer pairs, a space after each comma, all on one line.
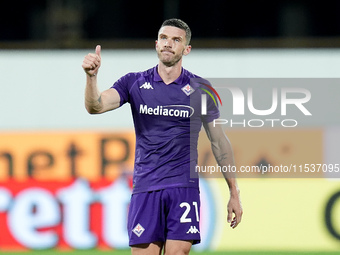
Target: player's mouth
[[168, 51]]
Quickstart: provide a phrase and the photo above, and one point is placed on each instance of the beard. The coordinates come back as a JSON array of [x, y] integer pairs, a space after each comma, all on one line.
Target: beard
[[170, 58]]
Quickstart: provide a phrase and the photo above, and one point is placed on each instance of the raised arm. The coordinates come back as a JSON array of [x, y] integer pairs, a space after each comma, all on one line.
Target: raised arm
[[96, 102], [224, 156]]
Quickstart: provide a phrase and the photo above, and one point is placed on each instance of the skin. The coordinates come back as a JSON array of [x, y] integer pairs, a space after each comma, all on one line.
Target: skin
[[170, 46]]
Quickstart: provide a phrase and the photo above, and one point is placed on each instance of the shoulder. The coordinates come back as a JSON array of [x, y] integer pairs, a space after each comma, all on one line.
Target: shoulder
[[148, 72], [194, 77], [196, 81], [189, 74], [132, 77]]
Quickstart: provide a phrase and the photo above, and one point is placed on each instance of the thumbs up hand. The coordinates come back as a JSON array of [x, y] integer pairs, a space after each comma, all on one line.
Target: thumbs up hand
[[92, 62]]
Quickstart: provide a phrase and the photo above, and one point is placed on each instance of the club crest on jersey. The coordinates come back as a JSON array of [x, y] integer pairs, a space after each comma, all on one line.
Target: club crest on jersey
[[138, 230], [188, 90]]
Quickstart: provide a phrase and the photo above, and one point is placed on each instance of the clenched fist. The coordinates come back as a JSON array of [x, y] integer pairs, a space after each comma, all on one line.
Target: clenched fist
[[92, 62]]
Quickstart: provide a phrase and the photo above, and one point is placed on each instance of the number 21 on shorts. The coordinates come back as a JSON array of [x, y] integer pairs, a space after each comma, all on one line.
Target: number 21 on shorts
[[187, 206]]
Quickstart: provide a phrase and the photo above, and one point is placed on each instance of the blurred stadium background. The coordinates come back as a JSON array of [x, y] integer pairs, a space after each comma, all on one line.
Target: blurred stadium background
[[65, 176]]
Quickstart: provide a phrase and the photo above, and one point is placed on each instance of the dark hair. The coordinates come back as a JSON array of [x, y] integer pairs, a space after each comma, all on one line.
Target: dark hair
[[180, 24]]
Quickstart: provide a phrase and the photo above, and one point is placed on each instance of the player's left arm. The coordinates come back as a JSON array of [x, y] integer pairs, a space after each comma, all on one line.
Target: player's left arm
[[224, 156]]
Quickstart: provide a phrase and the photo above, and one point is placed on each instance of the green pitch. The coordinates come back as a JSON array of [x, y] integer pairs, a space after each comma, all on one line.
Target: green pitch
[[126, 252]]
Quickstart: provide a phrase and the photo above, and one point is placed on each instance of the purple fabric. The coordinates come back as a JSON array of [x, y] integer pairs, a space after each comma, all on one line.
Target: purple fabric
[[167, 121], [164, 214]]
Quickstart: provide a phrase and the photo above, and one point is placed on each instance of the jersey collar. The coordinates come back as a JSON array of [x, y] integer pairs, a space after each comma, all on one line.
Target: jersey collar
[[157, 77]]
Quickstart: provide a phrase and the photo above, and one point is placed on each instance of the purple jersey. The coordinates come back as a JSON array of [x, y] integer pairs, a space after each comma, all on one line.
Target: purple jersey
[[167, 120]]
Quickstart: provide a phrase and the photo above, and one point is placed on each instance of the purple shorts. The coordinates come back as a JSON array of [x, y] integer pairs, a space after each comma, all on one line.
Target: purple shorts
[[156, 216]]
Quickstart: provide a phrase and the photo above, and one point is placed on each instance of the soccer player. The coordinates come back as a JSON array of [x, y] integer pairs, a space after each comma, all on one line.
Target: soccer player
[[164, 208]]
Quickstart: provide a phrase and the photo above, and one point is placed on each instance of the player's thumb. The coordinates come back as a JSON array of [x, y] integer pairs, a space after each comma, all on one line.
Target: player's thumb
[[98, 50]]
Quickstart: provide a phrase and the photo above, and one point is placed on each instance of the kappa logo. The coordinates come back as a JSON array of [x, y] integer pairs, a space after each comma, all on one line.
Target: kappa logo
[[188, 90], [146, 85], [138, 230], [192, 230]]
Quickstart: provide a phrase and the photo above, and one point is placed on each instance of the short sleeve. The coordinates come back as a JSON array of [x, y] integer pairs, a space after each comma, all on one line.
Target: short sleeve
[[211, 96], [212, 109], [122, 86]]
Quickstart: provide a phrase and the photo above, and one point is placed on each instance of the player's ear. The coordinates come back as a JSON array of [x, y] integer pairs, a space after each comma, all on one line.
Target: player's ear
[[156, 42], [187, 50]]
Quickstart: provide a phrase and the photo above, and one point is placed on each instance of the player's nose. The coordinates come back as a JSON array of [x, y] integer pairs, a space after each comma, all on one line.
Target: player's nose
[[168, 43]]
